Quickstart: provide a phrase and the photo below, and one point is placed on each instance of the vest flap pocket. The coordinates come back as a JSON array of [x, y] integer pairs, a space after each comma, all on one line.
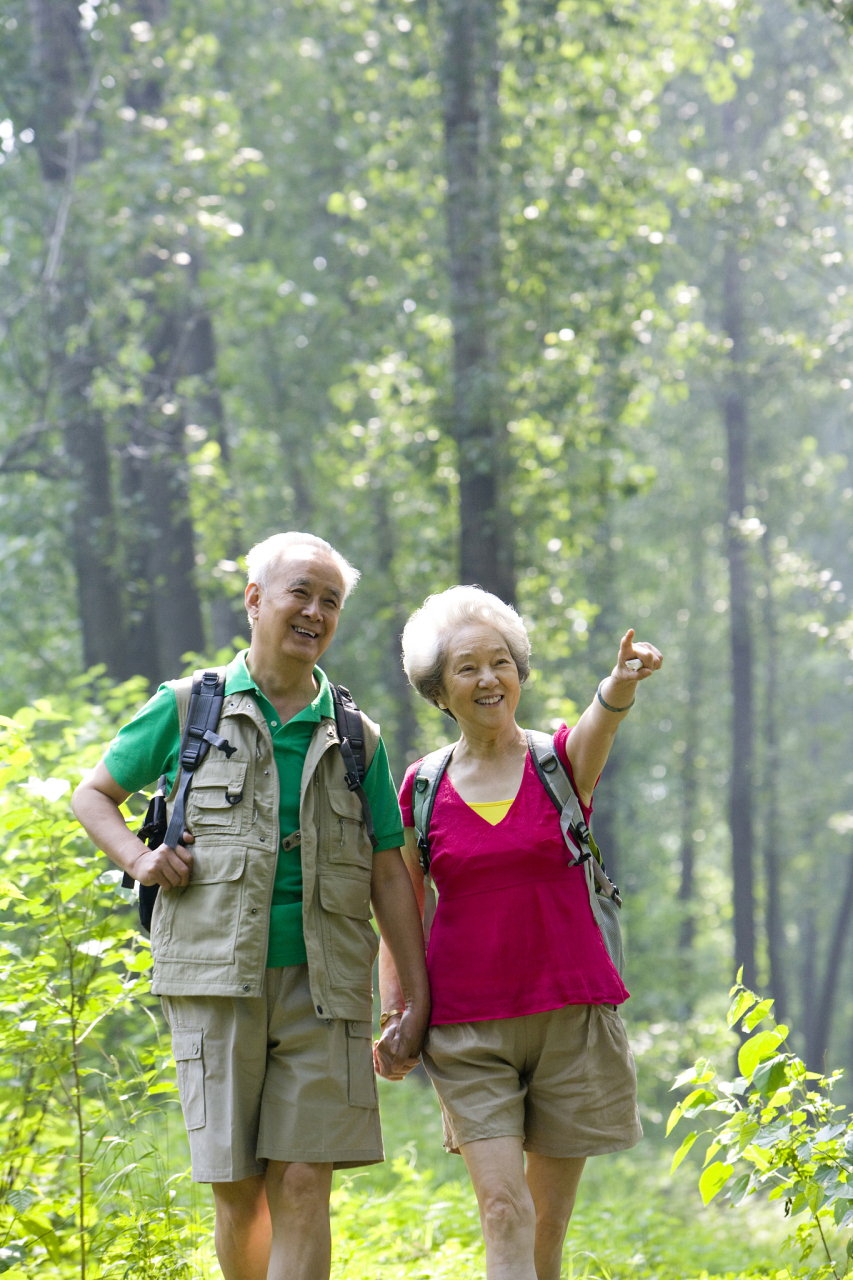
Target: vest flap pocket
[[345, 896], [220, 786], [186, 1043], [221, 773], [345, 803], [217, 865]]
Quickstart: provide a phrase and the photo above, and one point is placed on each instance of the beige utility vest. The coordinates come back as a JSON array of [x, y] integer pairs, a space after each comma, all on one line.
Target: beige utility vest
[[211, 937]]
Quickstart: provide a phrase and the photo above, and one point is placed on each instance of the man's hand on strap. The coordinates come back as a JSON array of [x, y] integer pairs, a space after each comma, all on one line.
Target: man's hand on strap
[[169, 868]]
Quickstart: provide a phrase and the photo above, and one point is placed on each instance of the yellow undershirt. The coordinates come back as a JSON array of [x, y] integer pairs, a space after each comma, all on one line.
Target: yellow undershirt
[[494, 811]]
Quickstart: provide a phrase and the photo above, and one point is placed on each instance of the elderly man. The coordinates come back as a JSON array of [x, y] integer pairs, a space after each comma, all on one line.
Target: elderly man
[[261, 935]]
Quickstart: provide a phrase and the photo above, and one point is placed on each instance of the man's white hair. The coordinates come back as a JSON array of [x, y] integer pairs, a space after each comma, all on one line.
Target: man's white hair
[[428, 632], [262, 560]]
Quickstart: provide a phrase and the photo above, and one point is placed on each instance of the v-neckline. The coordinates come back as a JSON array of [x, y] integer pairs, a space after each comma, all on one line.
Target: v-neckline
[[468, 805]]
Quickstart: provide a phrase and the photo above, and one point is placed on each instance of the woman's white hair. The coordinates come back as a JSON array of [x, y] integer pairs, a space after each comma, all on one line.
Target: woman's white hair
[[428, 632], [264, 557]]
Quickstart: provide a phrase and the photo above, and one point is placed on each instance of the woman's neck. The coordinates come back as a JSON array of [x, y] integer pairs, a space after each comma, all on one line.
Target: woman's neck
[[475, 744]]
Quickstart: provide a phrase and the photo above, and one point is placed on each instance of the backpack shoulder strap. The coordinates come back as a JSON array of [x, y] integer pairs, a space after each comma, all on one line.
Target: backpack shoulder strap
[[358, 739], [427, 779], [199, 715], [577, 835]]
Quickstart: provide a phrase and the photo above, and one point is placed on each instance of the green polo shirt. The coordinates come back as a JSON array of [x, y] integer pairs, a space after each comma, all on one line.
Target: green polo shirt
[[149, 745]]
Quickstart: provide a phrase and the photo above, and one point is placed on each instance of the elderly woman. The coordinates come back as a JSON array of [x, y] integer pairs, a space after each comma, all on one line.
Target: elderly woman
[[525, 1048]]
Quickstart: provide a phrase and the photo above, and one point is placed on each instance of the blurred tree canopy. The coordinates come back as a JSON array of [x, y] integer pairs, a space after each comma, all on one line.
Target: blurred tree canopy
[[551, 295]]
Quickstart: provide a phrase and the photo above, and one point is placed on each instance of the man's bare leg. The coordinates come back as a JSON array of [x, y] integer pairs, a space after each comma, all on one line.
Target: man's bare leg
[[243, 1228], [298, 1196], [553, 1185]]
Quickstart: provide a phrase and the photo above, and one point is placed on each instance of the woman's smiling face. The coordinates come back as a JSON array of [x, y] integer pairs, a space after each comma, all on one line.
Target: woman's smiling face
[[480, 682]]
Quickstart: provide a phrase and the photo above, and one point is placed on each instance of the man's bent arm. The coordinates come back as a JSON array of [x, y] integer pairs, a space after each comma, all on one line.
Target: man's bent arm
[[96, 806], [396, 911]]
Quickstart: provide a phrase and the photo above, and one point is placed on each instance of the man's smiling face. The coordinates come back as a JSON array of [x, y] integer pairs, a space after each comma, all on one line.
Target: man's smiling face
[[296, 614]]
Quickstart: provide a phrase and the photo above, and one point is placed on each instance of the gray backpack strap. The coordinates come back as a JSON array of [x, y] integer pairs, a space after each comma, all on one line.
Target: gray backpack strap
[[604, 896], [427, 779]]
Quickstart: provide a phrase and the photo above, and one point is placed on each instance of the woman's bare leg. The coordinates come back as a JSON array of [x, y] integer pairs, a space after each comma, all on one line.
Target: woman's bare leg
[[553, 1186], [507, 1214]]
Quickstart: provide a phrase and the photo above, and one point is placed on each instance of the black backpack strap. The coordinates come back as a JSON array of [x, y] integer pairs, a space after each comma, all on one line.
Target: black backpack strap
[[205, 709], [350, 728], [425, 788]]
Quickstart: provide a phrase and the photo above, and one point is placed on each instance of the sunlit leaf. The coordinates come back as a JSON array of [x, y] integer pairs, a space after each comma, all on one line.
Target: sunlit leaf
[[683, 1150], [713, 1179]]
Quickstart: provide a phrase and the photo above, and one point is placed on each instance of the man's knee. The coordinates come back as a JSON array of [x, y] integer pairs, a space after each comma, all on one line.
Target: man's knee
[[298, 1189], [239, 1204]]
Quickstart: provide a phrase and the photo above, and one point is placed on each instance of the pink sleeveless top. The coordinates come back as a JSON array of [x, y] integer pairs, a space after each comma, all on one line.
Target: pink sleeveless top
[[513, 931]]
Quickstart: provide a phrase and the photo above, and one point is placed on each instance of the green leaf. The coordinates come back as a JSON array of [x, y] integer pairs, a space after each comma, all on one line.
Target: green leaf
[[739, 1188], [682, 1150], [713, 1179], [760, 1011], [770, 1076], [757, 1050], [743, 1001]]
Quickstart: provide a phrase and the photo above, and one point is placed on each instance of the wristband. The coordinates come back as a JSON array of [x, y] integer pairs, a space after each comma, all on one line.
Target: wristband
[[385, 1017], [607, 707]]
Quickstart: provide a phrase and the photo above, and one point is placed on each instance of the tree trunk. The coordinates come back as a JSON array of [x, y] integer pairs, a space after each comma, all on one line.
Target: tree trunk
[[742, 726], [689, 770], [58, 58], [820, 1023], [604, 639], [471, 120], [406, 732], [772, 909], [93, 525], [162, 543], [61, 70], [227, 611]]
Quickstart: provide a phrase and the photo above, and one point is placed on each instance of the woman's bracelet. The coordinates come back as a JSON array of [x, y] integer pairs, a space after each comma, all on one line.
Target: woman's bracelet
[[607, 706], [384, 1017]]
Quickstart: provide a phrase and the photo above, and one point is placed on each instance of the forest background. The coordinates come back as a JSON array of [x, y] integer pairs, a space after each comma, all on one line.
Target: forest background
[[551, 296]]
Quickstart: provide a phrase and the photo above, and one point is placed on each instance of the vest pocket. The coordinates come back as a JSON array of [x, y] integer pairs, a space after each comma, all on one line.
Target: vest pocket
[[199, 924], [348, 842], [215, 801], [350, 941], [361, 1079], [189, 1061]]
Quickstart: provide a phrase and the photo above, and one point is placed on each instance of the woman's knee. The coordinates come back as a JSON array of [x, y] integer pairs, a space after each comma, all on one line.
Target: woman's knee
[[506, 1211]]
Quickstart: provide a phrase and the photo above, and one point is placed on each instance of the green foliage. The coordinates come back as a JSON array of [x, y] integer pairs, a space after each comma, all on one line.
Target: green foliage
[[782, 1134], [83, 1183]]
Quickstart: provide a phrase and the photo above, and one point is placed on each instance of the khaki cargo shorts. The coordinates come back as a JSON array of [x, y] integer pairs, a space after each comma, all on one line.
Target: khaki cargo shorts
[[263, 1078], [563, 1081]]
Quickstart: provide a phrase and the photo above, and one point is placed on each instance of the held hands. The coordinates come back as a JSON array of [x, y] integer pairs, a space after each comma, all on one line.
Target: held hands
[[167, 867], [397, 1050], [648, 657]]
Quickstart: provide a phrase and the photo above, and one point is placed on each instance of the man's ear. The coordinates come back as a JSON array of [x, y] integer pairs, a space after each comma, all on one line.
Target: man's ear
[[252, 598]]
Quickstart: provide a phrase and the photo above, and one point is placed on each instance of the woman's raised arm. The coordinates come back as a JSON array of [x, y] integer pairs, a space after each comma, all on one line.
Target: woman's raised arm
[[590, 741]]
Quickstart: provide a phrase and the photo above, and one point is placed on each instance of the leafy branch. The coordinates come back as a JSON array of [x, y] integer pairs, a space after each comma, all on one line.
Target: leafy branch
[[781, 1133]]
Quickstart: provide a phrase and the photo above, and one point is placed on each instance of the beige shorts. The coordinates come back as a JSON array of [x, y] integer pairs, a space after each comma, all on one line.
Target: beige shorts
[[563, 1081], [266, 1079]]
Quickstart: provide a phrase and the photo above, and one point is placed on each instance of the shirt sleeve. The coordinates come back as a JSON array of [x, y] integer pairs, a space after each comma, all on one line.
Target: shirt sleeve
[[148, 745], [561, 738], [406, 795], [379, 788]]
